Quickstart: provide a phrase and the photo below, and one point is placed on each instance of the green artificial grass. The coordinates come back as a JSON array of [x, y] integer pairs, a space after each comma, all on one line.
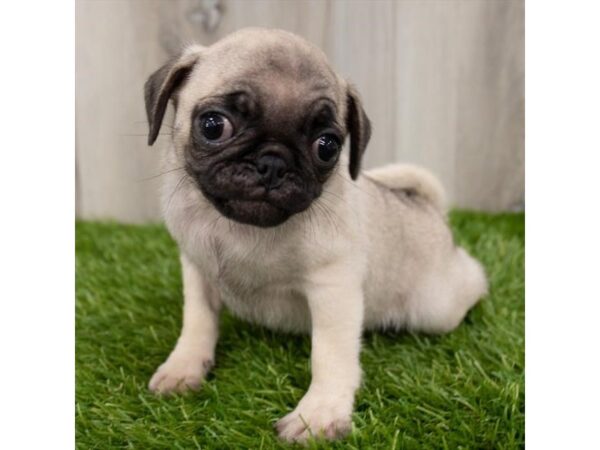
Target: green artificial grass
[[462, 390]]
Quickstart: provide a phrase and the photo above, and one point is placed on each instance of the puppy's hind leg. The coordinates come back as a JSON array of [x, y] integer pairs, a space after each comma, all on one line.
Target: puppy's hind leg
[[444, 299]]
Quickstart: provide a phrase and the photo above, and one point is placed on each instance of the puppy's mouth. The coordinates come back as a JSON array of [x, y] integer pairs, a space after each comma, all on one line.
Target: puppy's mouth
[[260, 213], [239, 193]]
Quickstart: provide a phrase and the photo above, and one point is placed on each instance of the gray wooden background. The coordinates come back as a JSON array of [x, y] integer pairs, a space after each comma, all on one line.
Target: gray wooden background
[[442, 81]]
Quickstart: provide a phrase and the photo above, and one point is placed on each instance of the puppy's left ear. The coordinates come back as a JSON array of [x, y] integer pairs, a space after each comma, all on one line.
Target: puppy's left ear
[[359, 127], [161, 85]]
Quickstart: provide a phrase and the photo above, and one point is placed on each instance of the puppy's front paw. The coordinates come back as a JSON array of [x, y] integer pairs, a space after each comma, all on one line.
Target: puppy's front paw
[[180, 372], [319, 418]]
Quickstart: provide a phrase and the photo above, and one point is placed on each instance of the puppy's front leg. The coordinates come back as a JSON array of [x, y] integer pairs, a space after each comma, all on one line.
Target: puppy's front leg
[[337, 313], [193, 355]]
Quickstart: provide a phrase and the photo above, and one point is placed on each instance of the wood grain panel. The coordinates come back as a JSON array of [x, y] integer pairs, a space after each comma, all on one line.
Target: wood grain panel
[[490, 106], [425, 97], [116, 47]]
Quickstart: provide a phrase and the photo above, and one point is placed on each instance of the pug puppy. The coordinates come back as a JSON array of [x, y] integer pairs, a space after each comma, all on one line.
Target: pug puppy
[[278, 224]]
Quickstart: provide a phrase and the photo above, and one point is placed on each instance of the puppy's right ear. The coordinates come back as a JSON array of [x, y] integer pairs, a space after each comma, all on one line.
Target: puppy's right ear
[[160, 87]]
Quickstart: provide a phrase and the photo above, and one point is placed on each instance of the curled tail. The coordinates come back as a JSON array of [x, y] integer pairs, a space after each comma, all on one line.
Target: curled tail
[[412, 178]]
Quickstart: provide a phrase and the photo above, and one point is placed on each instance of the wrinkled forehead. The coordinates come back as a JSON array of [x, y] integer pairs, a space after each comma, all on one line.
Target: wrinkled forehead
[[277, 74]]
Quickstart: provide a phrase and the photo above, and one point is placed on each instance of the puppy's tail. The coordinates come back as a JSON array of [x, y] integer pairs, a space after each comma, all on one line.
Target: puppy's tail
[[413, 179]]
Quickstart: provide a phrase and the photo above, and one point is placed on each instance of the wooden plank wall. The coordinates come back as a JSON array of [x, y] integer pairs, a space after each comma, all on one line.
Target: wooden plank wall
[[442, 81]]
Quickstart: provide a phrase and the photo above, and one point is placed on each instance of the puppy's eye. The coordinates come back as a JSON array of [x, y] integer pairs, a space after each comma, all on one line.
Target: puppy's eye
[[215, 127], [326, 147]]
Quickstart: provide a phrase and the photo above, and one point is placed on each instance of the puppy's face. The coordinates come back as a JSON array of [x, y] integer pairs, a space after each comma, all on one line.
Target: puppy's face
[[261, 158], [262, 121]]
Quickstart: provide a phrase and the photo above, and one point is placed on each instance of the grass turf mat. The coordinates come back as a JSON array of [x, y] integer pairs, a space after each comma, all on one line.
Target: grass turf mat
[[462, 390]]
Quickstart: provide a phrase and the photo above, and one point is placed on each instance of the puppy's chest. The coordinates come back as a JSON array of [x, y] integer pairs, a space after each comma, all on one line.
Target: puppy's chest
[[246, 267], [257, 282]]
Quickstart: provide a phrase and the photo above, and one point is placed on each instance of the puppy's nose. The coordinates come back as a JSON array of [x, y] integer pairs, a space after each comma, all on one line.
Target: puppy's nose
[[272, 169]]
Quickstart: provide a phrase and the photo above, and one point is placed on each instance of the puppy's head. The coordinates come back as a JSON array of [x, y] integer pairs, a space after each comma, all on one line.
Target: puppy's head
[[260, 122]]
